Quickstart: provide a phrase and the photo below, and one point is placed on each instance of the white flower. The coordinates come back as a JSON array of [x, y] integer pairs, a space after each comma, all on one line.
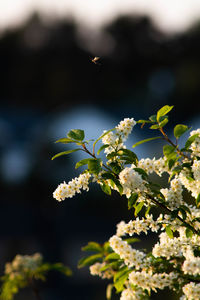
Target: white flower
[[192, 291], [148, 281], [130, 179], [130, 256], [72, 187]]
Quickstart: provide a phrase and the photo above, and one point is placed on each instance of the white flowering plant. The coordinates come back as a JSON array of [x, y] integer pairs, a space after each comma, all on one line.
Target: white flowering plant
[[174, 261], [24, 271]]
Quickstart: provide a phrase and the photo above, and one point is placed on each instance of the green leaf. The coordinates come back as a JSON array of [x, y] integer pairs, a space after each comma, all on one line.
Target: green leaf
[[152, 118], [102, 148], [179, 130], [169, 231], [76, 134], [105, 188], [120, 278], [92, 246], [198, 200], [108, 175], [116, 168], [105, 133], [90, 260], [191, 140], [138, 208], [183, 213], [64, 153], [94, 166], [163, 123], [156, 126], [141, 172], [112, 256], [188, 233], [163, 111], [65, 141], [128, 155], [132, 200], [167, 150], [82, 162], [146, 140], [143, 121], [132, 240], [109, 291], [147, 210]]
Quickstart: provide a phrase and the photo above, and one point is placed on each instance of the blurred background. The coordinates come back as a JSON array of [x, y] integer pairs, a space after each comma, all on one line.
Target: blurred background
[[149, 56]]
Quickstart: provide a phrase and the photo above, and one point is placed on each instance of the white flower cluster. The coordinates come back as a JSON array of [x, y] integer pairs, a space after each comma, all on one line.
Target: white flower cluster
[[130, 294], [125, 127], [192, 291], [22, 264], [68, 190], [195, 146], [131, 181], [115, 140], [96, 270], [190, 184], [174, 195], [153, 165], [137, 226], [130, 256], [148, 280]]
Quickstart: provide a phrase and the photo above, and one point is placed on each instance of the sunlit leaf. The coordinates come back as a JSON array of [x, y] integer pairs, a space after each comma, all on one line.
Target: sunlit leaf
[[179, 130], [163, 111], [146, 140], [65, 153], [76, 134]]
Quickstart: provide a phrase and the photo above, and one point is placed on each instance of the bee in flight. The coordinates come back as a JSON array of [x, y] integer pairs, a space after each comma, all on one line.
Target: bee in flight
[[95, 60]]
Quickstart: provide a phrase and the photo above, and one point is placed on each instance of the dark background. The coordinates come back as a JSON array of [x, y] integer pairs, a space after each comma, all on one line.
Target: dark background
[[48, 86]]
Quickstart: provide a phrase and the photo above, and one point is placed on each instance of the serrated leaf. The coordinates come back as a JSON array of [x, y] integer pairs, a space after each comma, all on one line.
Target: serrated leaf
[[138, 208], [76, 134], [65, 141], [105, 188], [94, 166], [191, 140], [188, 233], [102, 148], [132, 200], [82, 162], [163, 111], [112, 256], [146, 140], [169, 231], [92, 246], [90, 260], [179, 130], [198, 200], [64, 153]]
